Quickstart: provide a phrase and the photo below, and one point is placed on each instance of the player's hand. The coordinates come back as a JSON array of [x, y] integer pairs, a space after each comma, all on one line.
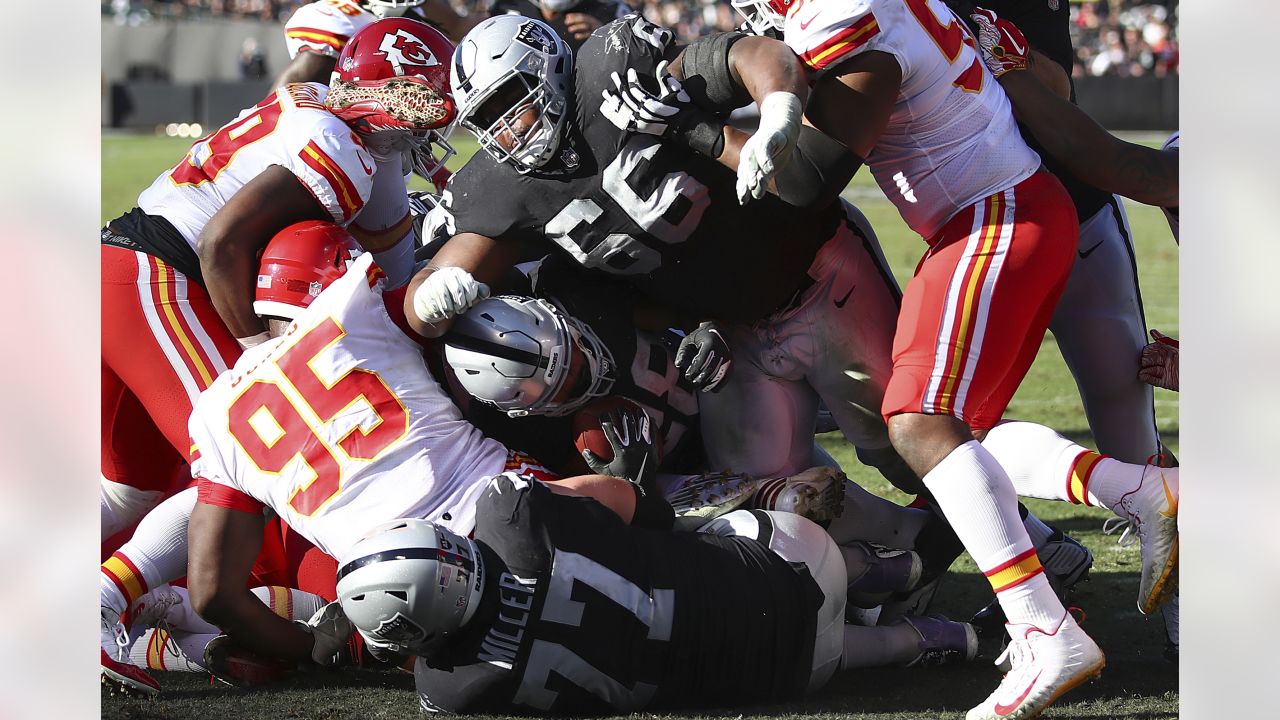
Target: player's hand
[[704, 357], [1003, 47], [446, 293], [331, 630], [580, 25], [631, 107], [764, 154], [634, 459], [1158, 364]]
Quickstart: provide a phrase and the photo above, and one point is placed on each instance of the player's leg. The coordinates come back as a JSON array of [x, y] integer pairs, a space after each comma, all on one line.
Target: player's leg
[[162, 337], [761, 422], [1043, 464], [1100, 329], [972, 318]]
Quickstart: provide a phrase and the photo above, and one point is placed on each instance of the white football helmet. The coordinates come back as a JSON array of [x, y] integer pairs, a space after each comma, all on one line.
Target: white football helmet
[[391, 8], [516, 353], [504, 68], [410, 584], [763, 16]]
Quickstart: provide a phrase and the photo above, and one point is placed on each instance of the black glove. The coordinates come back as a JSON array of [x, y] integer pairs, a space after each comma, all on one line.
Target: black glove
[[634, 457], [704, 357]]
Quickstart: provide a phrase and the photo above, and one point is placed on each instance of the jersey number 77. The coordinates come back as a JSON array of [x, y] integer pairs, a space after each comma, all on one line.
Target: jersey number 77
[[274, 427]]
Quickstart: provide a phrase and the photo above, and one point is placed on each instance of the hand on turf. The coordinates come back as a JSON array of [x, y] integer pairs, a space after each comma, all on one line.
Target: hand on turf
[[704, 357], [632, 107], [1158, 363], [764, 154], [447, 292], [634, 458], [331, 630], [1001, 43]]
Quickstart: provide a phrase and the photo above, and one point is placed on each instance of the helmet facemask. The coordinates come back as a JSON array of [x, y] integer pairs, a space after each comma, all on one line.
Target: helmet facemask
[[391, 8], [762, 16], [498, 114]]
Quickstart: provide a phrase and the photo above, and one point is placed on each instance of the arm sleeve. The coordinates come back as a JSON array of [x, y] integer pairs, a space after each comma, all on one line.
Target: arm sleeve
[[318, 27], [384, 226], [819, 169], [336, 168]]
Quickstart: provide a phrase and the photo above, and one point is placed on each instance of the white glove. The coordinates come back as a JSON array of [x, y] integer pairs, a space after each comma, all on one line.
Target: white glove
[[770, 147], [447, 292], [331, 630], [633, 108]]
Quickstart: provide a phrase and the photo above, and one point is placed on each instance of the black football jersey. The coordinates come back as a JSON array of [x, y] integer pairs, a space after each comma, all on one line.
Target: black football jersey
[[582, 614], [658, 214], [1045, 23], [605, 11]]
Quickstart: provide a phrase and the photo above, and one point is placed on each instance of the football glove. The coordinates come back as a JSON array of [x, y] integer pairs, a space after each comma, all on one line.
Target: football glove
[[634, 457], [764, 154], [704, 357], [447, 292], [1158, 364], [633, 108], [1002, 45], [331, 630]]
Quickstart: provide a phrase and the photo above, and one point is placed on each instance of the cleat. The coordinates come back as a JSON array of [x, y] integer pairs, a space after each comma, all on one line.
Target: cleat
[[816, 494], [912, 602], [1066, 563], [152, 609], [888, 571], [942, 641], [238, 667], [711, 495], [117, 673], [1043, 667], [1170, 613], [1152, 512]]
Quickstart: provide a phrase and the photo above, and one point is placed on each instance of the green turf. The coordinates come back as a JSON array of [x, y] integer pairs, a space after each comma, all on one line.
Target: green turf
[[1137, 683]]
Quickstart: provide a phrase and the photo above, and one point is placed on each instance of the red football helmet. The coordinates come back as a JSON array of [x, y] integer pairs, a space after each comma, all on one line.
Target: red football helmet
[[391, 85], [299, 262]]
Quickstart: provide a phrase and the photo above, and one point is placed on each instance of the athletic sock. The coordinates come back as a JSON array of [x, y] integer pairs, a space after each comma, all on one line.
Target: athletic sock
[[979, 501], [177, 651], [1043, 464], [157, 553]]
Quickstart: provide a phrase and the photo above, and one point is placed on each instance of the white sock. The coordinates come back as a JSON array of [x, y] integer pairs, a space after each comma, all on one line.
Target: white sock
[[1043, 464], [289, 603], [157, 552], [175, 651], [979, 501], [1036, 529], [121, 505]]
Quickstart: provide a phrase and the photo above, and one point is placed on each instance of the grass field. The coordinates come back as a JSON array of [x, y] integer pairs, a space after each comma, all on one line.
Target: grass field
[[1138, 682]]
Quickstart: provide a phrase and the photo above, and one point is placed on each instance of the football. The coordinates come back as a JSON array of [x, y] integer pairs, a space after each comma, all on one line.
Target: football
[[587, 434]]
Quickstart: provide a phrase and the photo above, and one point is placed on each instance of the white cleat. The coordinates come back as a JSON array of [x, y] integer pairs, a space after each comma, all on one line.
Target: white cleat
[[116, 669], [1043, 666], [1152, 512]]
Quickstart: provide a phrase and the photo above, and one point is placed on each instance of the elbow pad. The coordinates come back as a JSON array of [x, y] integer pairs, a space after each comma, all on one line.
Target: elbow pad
[[707, 77], [819, 169]]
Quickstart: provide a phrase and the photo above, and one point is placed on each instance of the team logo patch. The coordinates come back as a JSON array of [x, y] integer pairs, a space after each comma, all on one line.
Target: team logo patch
[[536, 36], [403, 49], [401, 631], [1053, 4], [314, 289]]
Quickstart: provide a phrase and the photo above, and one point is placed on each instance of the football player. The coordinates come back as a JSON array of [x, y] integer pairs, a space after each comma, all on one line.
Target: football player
[[897, 83], [178, 270], [317, 32], [558, 607]]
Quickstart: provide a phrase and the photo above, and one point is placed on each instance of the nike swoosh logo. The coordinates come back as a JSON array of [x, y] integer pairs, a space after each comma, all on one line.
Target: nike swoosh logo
[[1014, 43], [1172, 512], [1002, 709], [1086, 253], [840, 303], [804, 24], [367, 171]]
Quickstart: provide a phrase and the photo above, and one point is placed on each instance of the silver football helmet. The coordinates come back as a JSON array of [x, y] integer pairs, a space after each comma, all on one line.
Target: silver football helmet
[[504, 68], [515, 353], [391, 8], [410, 584]]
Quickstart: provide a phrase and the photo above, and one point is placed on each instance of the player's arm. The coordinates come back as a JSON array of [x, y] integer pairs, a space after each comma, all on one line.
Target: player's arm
[[308, 67], [1087, 150], [614, 493], [457, 277], [853, 103], [222, 546], [229, 243]]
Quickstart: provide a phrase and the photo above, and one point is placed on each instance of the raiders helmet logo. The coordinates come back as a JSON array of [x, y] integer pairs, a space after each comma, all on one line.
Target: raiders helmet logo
[[536, 36], [403, 49], [401, 631]]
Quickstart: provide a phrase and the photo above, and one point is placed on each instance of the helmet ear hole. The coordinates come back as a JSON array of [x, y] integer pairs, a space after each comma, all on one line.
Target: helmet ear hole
[[401, 595]]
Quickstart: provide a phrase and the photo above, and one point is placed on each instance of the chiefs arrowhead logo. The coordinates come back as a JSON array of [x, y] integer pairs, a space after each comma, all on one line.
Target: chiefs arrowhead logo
[[403, 49]]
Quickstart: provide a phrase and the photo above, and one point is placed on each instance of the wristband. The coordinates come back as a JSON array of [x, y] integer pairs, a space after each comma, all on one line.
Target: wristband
[[701, 132]]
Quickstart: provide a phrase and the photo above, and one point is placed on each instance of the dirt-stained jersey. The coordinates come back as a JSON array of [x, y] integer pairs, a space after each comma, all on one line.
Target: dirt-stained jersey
[[337, 426], [325, 26], [951, 139], [661, 215], [583, 615]]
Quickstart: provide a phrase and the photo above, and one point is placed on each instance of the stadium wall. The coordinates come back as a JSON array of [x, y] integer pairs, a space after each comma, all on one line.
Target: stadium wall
[[186, 71]]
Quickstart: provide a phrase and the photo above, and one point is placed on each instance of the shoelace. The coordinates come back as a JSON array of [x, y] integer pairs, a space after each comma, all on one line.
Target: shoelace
[[1113, 525], [122, 640], [156, 616], [1015, 653]]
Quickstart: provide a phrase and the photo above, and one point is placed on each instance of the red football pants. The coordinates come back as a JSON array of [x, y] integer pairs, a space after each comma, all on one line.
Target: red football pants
[[974, 315]]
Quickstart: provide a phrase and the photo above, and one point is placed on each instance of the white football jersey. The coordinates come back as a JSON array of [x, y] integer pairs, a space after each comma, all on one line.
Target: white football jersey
[[325, 26], [291, 128], [1171, 214], [951, 139], [338, 426]]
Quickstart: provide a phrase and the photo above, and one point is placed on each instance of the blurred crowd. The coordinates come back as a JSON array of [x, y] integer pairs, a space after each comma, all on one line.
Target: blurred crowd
[[1112, 37]]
